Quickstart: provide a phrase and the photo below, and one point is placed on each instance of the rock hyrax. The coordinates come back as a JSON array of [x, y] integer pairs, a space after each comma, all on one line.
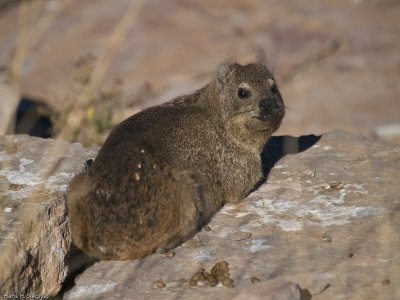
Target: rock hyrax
[[164, 172]]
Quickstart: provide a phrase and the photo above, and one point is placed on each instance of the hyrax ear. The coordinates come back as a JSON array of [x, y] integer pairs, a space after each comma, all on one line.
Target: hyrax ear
[[223, 73]]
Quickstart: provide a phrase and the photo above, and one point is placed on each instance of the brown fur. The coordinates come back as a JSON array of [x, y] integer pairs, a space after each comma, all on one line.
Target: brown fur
[[164, 172]]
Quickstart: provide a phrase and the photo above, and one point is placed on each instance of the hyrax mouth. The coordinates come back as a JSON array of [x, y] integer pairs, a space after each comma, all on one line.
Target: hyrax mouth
[[271, 111]]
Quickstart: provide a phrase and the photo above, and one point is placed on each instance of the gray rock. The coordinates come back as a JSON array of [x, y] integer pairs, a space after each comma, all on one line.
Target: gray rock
[[344, 187], [34, 233], [276, 289], [389, 132], [326, 220]]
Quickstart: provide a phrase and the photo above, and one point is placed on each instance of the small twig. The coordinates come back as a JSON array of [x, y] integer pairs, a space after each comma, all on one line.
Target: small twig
[[323, 290]]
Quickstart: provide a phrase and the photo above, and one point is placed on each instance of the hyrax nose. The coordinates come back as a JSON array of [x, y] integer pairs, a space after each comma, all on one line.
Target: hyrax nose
[[267, 104]]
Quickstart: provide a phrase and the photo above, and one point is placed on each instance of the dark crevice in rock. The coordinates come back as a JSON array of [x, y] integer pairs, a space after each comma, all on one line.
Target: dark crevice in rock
[[33, 118], [69, 283], [77, 263]]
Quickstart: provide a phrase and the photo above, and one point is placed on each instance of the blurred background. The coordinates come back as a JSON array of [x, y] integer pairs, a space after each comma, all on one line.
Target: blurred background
[[74, 69]]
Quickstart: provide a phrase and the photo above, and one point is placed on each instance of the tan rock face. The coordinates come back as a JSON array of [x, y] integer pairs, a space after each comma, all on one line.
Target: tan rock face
[[271, 290], [324, 225], [34, 232], [325, 220]]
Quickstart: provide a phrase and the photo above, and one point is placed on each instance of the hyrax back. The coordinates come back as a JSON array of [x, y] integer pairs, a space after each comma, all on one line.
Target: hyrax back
[[164, 172]]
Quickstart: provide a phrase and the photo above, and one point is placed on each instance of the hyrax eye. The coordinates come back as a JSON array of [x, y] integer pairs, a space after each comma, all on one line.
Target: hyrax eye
[[243, 93]]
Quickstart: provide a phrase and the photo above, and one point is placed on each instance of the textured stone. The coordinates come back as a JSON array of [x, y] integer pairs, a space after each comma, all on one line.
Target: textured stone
[[275, 289], [343, 186], [387, 132], [326, 221], [34, 233]]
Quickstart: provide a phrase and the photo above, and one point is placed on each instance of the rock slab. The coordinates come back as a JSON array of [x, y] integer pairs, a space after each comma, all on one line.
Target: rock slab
[[34, 233], [324, 225], [327, 221]]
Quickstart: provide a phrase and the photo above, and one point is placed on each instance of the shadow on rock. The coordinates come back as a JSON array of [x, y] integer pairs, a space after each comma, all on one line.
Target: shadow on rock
[[279, 146], [77, 262]]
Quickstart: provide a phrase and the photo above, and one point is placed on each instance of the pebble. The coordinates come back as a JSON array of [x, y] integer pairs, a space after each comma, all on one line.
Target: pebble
[[207, 228], [326, 238], [255, 280], [386, 282], [170, 254], [160, 284]]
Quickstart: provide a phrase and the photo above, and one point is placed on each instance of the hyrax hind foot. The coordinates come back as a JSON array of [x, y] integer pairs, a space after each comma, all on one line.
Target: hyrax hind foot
[[172, 243]]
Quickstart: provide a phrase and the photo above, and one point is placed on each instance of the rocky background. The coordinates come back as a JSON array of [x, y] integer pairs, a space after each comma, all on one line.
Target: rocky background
[[89, 64], [325, 224]]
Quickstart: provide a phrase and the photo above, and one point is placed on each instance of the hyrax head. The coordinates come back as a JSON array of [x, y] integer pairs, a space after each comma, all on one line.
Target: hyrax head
[[250, 99]]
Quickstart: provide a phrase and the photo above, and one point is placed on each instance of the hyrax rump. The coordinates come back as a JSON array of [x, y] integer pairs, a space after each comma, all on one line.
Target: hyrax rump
[[164, 172]]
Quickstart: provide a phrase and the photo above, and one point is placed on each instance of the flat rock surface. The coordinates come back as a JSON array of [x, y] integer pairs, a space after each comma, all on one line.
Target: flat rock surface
[[34, 233], [337, 62], [326, 222]]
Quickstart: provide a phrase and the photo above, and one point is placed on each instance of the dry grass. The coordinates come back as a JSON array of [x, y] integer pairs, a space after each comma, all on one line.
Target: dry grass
[[29, 33], [83, 109], [87, 116]]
